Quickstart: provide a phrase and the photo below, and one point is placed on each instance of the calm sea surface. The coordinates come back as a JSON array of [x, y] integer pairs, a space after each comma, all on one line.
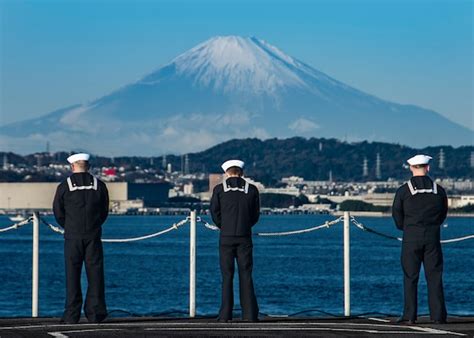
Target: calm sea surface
[[292, 273]]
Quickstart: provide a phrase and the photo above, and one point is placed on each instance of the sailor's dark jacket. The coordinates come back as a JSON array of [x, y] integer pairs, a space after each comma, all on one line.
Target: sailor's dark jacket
[[419, 208], [235, 207], [81, 206]]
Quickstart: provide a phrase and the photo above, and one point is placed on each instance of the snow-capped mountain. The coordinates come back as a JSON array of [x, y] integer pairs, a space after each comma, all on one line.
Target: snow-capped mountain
[[229, 87]]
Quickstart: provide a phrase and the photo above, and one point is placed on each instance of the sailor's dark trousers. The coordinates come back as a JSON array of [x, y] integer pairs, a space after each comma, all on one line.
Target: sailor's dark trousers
[[230, 249], [90, 252], [414, 253]]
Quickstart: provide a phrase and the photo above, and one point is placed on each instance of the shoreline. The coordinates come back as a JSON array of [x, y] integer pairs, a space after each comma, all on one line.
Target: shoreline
[[279, 212]]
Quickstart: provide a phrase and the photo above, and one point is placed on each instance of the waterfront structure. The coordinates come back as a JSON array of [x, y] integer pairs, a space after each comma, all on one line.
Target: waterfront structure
[[39, 195]]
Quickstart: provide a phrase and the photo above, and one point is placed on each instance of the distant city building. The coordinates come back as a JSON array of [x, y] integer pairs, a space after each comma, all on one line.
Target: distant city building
[[384, 199], [214, 179], [315, 207], [121, 207], [459, 201], [285, 191], [152, 194], [257, 184], [188, 189], [459, 185], [292, 180]]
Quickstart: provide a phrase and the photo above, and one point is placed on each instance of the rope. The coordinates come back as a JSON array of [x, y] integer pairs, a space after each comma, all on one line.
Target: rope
[[295, 232], [124, 240], [286, 233], [215, 228], [207, 225], [52, 227], [175, 226], [365, 228], [452, 240], [17, 225]]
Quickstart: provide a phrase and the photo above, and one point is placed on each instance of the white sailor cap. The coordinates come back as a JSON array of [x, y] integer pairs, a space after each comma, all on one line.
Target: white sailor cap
[[232, 163], [419, 160], [78, 157]]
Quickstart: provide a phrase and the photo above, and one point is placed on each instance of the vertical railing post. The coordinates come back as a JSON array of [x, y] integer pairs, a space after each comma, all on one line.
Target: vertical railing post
[[347, 265], [35, 268], [192, 265]]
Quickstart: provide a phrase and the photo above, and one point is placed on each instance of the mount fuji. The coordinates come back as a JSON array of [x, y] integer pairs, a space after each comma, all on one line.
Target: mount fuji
[[224, 88]]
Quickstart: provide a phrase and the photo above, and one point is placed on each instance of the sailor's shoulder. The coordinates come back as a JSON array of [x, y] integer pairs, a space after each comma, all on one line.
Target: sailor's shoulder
[[62, 185], [253, 188], [402, 189], [440, 189], [99, 181], [218, 188]]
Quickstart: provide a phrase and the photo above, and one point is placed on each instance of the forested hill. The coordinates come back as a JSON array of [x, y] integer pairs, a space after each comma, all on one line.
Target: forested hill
[[313, 159]]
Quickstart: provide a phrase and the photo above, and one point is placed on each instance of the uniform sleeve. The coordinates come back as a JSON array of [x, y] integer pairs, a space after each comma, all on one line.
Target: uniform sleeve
[[58, 206], [397, 210], [256, 211], [444, 211], [216, 208], [105, 203]]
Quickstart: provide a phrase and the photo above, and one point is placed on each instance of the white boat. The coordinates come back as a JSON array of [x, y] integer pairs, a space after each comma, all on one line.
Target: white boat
[[17, 218]]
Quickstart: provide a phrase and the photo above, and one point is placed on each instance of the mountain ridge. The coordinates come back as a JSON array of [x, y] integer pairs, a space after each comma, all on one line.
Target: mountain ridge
[[312, 158], [225, 88]]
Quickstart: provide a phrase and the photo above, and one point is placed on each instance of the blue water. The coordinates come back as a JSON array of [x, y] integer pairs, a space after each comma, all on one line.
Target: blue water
[[292, 274]]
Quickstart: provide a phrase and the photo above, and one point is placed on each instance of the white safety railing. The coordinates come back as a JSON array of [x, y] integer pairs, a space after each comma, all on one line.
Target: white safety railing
[[347, 265], [193, 219], [192, 265], [35, 264]]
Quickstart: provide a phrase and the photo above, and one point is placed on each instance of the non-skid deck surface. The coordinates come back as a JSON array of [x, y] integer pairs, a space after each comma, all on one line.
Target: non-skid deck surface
[[183, 327]]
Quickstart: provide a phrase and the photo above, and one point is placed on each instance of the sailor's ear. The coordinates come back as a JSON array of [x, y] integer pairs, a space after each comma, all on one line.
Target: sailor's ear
[[428, 168]]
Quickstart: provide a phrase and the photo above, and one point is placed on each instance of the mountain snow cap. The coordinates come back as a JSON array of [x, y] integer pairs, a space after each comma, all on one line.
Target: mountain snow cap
[[229, 63]]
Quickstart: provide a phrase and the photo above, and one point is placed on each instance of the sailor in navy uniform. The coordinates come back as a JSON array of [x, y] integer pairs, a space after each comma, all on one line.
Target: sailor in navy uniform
[[235, 209], [81, 206], [419, 208]]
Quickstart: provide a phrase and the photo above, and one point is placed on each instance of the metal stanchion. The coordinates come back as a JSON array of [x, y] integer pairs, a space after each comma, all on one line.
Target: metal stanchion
[[347, 265], [192, 265], [35, 269]]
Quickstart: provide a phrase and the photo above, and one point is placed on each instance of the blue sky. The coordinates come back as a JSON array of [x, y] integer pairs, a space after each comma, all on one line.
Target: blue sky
[[58, 53]]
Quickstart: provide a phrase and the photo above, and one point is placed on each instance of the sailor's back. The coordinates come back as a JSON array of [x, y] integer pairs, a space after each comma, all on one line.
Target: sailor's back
[[419, 209], [81, 206], [236, 207]]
